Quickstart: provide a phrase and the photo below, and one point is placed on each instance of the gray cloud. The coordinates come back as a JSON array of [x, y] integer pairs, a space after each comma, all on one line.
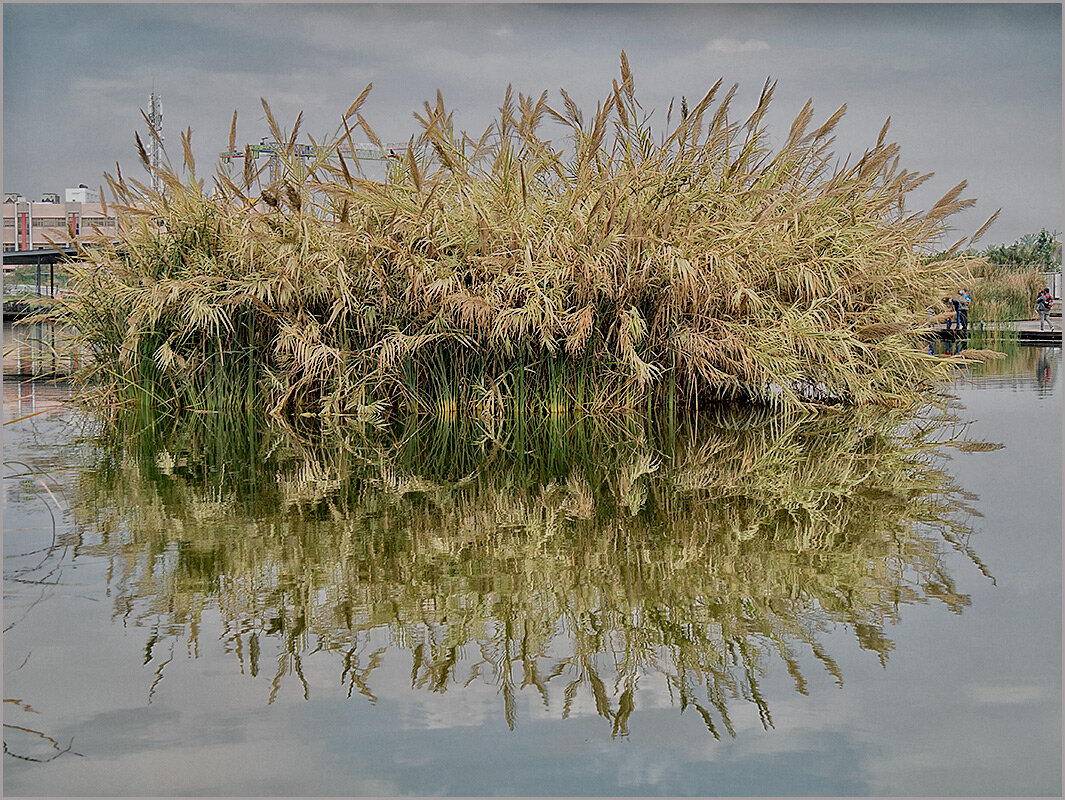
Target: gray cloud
[[735, 46]]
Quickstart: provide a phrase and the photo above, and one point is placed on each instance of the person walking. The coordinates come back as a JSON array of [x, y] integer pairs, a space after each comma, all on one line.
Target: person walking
[[1043, 304]]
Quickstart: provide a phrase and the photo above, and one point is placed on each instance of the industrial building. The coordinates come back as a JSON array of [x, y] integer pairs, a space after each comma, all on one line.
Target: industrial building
[[30, 225]]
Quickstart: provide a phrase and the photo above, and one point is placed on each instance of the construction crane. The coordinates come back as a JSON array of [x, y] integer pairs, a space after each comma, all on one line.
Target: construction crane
[[306, 152]]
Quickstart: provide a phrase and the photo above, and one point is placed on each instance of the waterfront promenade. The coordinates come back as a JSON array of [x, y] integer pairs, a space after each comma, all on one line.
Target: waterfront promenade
[[1027, 330]]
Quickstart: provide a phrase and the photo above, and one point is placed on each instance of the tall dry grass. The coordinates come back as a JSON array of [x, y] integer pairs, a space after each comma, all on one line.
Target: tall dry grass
[[510, 273], [1001, 294]]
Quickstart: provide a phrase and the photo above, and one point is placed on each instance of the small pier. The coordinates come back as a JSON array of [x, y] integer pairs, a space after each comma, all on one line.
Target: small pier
[[1025, 331]]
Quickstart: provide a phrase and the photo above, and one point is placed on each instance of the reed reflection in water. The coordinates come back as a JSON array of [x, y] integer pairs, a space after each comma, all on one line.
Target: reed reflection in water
[[573, 562]]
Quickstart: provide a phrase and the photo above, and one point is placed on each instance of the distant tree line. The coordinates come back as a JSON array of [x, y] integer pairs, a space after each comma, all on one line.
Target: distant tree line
[[1032, 251]]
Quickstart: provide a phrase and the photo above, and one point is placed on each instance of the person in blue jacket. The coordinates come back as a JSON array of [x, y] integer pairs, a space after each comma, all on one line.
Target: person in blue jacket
[[962, 304]]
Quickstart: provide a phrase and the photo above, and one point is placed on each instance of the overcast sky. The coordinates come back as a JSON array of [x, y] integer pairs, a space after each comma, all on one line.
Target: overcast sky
[[974, 91]]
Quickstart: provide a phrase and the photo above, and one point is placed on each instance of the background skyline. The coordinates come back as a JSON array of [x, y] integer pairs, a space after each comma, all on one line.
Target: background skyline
[[973, 90]]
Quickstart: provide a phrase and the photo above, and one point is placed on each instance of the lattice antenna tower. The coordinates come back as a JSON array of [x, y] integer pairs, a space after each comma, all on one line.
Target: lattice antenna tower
[[155, 146]]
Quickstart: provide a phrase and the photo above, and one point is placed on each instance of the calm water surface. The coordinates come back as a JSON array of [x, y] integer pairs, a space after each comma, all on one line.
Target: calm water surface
[[754, 607]]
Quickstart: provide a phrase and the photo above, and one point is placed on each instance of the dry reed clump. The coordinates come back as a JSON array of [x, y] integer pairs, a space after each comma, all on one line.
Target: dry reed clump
[[503, 274]]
